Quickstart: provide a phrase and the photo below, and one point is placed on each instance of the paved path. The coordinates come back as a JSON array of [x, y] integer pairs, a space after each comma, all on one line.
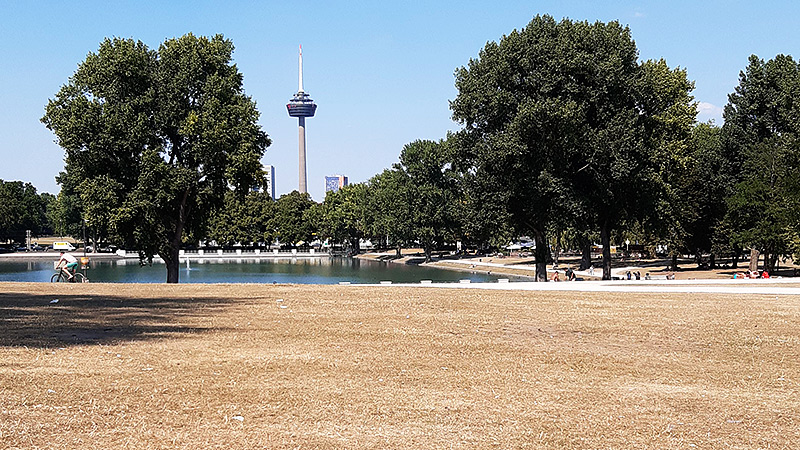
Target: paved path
[[772, 286]]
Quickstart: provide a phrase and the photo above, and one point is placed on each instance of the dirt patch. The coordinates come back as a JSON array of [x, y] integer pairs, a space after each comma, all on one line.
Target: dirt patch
[[287, 366]]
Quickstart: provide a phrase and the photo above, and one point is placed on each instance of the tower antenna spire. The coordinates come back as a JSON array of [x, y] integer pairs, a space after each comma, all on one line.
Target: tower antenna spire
[[300, 63]]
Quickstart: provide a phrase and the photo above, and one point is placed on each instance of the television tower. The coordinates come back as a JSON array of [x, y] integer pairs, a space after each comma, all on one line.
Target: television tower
[[301, 106]]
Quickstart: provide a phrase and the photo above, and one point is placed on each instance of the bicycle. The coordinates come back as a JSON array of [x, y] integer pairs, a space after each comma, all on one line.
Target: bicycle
[[61, 277]]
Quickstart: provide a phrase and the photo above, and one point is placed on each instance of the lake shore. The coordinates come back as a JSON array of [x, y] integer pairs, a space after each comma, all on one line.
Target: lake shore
[[524, 267]]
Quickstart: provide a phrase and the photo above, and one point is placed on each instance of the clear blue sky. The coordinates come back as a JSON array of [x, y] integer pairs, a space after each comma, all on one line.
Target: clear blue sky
[[381, 72]]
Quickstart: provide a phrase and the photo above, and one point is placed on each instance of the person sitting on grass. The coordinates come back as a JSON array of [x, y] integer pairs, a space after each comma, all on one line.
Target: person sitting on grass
[[70, 265]]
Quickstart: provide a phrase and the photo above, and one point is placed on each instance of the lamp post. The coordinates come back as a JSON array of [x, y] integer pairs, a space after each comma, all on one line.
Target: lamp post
[[85, 259], [84, 237]]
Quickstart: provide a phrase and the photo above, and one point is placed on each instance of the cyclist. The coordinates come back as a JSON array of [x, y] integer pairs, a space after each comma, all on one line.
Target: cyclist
[[70, 265]]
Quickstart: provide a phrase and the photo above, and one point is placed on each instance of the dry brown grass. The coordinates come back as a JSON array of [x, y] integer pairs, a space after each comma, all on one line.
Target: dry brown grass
[[252, 366]]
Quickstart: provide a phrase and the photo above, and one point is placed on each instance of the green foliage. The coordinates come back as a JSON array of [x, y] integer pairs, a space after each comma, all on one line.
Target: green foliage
[[563, 126], [345, 215], [761, 134], [100, 196], [63, 214], [666, 204], [294, 219], [430, 192], [706, 188], [390, 205], [242, 220], [48, 200], [157, 137], [21, 209]]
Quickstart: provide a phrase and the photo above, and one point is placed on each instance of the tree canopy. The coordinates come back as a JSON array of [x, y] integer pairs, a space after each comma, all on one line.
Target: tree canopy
[[157, 138], [760, 139], [562, 122]]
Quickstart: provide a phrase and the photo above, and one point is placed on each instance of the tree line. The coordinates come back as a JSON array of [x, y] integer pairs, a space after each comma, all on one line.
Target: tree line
[[23, 209], [566, 137]]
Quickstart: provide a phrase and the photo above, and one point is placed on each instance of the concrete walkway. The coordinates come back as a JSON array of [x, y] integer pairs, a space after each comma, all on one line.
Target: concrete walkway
[[772, 286]]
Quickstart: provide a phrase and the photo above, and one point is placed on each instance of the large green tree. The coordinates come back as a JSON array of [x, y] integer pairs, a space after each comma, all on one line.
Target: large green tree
[[294, 219], [346, 216], [416, 201], [430, 191], [760, 140], [562, 121], [662, 202], [391, 208], [168, 131]]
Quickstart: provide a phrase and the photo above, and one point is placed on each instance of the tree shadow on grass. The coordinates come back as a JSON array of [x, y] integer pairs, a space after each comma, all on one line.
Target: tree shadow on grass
[[35, 320]]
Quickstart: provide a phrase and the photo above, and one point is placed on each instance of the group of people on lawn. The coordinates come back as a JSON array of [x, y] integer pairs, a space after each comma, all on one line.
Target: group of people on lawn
[[751, 274]]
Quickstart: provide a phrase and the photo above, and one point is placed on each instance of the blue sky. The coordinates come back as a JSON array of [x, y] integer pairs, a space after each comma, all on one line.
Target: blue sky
[[381, 72]]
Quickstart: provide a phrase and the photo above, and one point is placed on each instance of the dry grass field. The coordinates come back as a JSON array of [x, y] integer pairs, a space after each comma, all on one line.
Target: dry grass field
[[322, 367]]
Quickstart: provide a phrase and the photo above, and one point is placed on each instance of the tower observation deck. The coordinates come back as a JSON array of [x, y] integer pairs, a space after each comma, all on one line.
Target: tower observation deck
[[301, 106]]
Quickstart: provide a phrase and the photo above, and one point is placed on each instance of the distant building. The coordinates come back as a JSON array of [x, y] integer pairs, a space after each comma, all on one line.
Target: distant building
[[335, 183], [269, 174]]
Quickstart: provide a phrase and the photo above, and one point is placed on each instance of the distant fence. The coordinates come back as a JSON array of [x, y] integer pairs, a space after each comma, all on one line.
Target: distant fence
[[232, 253]]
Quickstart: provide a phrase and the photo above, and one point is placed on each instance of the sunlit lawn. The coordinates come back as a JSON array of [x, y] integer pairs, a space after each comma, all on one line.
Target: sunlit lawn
[[253, 366]]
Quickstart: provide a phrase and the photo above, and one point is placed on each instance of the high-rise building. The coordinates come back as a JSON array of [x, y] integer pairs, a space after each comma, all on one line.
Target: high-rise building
[[335, 182], [301, 106], [269, 174]]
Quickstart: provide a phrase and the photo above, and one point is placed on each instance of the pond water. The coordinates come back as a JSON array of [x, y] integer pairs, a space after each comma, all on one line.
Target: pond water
[[246, 270]]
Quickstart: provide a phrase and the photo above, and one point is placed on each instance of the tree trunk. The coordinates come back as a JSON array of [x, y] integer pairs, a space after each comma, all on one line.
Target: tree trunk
[[736, 252], [355, 246], [427, 249], [712, 261], [673, 265], [172, 261], [586, 253], [399, 251], [542, 253], [754, 254], [605, 240], [770, 262], [557, 250]]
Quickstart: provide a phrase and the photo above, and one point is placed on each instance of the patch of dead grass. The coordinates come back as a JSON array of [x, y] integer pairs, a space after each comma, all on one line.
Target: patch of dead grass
[[263, 366]]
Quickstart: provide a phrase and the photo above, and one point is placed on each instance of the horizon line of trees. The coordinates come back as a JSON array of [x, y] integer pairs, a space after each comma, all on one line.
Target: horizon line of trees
[[567, 137]]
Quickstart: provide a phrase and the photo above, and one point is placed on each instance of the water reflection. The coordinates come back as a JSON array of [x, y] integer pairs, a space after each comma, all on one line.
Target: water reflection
[[318, 270]]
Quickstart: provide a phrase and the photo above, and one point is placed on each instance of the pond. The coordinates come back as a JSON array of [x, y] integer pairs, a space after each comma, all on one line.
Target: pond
[[322, 270]]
